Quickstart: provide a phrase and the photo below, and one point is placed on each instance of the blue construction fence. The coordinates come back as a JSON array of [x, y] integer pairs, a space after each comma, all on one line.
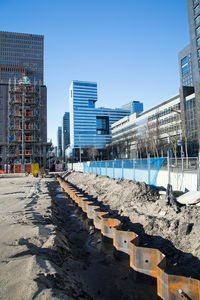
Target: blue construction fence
[[143, 170]]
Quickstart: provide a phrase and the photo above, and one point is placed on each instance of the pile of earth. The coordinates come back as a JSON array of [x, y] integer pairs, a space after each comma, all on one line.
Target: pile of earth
[[157, 224]]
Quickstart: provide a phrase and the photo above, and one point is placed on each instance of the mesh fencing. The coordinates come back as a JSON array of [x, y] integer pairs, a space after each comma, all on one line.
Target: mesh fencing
[[143, 170]]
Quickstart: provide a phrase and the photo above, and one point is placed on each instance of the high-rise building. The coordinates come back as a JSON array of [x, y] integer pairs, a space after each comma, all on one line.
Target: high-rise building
[[21, 53], [59, 142], [66, 132], [23, 100], [147, 133], [189, 66], [134, 107], [90, 127], [23, 124]]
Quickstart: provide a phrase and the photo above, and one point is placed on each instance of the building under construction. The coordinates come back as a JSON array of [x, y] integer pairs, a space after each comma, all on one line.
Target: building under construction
[[23, 125]]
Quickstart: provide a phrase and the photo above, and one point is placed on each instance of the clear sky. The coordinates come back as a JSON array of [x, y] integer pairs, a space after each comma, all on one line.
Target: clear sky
[[128, 47]]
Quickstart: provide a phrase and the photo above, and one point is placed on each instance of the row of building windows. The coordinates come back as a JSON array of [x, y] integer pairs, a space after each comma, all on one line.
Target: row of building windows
[[164, 112], [21, 36], [15, 48], [84, 84], [15, 69], [19, 42], [19, 51], [17, 64]]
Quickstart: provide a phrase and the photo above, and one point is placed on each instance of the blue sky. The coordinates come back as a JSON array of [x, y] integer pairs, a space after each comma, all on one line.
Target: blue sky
[[128, 47]]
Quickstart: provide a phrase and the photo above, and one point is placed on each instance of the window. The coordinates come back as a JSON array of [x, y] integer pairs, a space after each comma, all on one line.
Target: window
[[184, 61], [198, 42], [198, 31], [102, 125], [197, 21], [184, 65], [91, 103], [197, 10]]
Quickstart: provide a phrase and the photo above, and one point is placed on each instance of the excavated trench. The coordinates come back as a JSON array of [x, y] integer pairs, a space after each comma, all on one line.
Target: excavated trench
[[90, 267]]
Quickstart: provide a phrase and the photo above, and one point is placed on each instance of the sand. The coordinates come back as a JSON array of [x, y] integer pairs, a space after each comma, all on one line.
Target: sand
[[26, 236]]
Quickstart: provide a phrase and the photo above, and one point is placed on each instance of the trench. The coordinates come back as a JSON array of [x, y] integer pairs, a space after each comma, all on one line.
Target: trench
[[92, 265]]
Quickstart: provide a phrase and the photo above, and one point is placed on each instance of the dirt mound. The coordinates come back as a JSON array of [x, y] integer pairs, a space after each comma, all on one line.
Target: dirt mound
[[148, 213]]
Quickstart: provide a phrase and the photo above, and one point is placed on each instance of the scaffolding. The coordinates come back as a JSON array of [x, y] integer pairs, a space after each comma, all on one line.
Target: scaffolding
[[24, 135]]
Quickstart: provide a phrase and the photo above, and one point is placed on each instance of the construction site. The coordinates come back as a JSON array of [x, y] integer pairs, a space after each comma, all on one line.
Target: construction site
[[23, 140], [85, 236]]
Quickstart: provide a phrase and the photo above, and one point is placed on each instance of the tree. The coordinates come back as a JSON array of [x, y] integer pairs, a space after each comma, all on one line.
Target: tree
[[92, 153]]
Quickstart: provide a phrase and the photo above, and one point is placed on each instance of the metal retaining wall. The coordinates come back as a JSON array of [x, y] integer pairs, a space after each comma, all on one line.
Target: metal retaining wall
[[145, 260]]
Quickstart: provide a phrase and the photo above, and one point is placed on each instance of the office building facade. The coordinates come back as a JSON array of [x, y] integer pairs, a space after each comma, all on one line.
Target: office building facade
[[189, 66], [66, 133], [23, 100], [150, 133], [21, 53], [134, 107], [59, 142], [90, 127]]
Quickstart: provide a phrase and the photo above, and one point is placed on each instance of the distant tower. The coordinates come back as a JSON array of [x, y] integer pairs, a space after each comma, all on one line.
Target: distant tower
[[59, 142], [21, 53], [66, 132]]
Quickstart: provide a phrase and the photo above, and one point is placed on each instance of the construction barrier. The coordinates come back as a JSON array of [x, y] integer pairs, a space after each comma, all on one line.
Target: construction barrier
[[145, 260], [35, 169]]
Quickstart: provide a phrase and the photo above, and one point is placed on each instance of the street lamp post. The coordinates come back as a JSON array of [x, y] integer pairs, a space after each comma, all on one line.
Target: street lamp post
[[181, 136]]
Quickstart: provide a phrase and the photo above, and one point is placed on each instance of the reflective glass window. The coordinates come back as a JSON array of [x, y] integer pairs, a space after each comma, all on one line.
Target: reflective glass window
[[197, 20], [198, 31], [184, 61], [197, 10]]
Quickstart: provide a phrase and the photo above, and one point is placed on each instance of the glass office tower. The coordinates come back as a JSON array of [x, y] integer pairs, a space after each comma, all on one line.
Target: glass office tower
[[90, 127], [21, 53], [189, 66], [59, 142]]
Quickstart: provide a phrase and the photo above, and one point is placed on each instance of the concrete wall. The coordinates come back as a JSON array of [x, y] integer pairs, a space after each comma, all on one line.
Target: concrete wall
[[179, 181]]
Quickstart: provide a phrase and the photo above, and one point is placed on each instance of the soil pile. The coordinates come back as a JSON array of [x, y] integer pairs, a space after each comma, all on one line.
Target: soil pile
[[149, 214]]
